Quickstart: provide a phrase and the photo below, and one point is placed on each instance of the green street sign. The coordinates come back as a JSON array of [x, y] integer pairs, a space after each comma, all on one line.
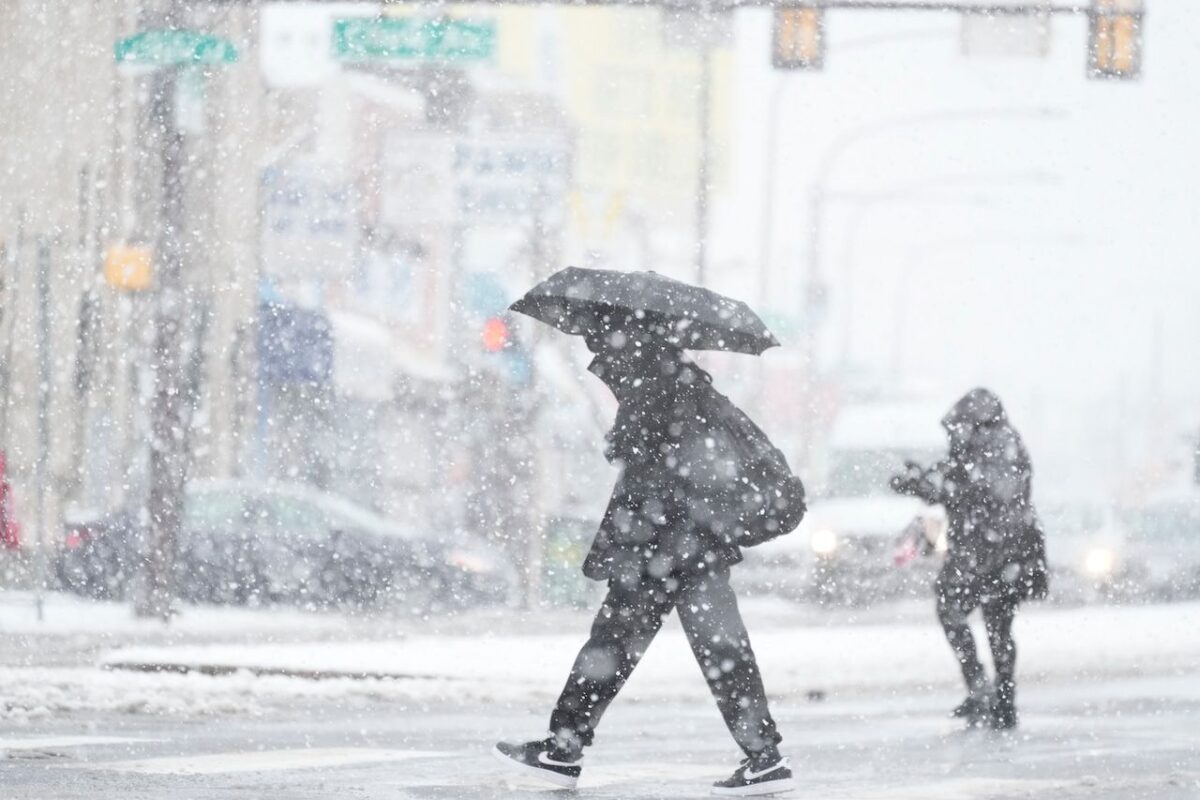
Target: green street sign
[[406, 39], [174, 47]]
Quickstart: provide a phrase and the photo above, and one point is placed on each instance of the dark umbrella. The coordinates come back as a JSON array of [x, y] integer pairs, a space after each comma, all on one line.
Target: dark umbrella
[[577, 300]]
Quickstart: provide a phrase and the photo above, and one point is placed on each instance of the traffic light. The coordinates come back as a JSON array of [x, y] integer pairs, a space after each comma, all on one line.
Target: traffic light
[[505, 356], [1115, 39], [495, 335], [129, 267], [798, 41]]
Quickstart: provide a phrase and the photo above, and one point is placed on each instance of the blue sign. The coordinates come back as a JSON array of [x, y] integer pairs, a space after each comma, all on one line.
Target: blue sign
[[295, 345]]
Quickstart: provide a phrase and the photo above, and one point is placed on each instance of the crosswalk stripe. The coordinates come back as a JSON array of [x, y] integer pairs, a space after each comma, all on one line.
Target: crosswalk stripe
[[50, 742], [263, 761], [653, 773]]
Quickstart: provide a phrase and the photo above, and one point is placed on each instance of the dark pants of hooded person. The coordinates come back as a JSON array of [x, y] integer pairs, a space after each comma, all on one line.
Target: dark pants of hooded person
[[624, 627], [955, 602]]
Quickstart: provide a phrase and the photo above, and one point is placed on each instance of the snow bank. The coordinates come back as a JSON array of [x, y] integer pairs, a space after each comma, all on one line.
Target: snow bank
[[66, 614], [1056, 646]]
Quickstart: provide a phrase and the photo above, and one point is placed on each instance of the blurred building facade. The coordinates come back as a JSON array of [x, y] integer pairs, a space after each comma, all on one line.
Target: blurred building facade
[[349, 233], [79, 181], [631, 86]]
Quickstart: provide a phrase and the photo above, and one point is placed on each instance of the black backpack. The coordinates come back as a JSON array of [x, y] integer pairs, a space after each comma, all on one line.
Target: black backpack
[[1034, 577], [762, 497]]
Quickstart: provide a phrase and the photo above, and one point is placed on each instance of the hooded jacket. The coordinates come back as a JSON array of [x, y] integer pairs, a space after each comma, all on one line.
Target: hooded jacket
[[985, 484], [671, 511]]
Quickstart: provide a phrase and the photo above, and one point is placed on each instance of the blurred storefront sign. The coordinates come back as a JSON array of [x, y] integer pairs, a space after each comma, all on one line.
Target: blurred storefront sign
[[432, 178], [413, 39], [472, 205], [295, 346], [306, 44], [499, 178], [309, 229], [174, 47], [293, 46]]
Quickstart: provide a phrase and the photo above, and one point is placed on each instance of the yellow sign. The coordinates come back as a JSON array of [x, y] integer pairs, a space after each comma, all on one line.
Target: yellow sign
[[129, 267]]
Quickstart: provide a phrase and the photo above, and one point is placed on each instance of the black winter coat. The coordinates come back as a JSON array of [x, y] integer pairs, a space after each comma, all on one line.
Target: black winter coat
[[669, 513], [994, 538]]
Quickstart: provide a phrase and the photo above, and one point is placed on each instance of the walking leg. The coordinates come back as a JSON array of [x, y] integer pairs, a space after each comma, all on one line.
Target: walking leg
[[624, 627], [709, 613], [954, 602], [998, 619]]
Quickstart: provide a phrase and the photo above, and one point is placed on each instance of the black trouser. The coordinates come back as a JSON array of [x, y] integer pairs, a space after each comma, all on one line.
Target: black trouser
[[624, 628], [956, 599]]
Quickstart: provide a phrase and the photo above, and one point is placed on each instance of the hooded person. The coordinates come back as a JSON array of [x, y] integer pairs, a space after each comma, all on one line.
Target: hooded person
[[674, 526], [995, 555]]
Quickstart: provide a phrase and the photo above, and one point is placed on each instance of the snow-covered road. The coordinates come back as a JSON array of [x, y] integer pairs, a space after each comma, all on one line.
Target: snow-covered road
[[260, 667], [1109, 739], [1110, 702]]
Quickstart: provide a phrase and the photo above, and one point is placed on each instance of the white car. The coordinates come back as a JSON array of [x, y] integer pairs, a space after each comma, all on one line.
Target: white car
[[849, 550], [845, 550], [1141, 553]]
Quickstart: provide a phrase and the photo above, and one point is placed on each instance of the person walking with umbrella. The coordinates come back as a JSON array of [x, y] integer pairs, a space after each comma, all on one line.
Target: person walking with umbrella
[[698, 482]]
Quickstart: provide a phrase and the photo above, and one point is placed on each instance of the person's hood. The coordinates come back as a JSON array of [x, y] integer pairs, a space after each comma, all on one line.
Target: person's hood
[[638, 372], [975, 409]]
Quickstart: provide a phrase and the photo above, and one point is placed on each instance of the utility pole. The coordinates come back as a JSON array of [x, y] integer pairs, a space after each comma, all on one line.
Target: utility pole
[[168, 425], [43, 419], [529, 412]]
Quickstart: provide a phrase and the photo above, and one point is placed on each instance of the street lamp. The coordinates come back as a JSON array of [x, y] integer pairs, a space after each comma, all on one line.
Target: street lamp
[[812, 296], [766, 231]]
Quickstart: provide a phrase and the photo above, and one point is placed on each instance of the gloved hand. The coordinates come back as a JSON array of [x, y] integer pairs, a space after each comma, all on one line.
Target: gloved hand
[[909, 481]]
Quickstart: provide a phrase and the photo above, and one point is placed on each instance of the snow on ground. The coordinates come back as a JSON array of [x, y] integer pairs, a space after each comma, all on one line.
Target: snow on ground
[[1055, 644], [1102, 739], [496, 662], [64, 614]]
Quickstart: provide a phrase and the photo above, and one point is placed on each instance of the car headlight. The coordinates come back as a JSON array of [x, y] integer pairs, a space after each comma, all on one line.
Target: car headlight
[[824, 542], [1099, 562]]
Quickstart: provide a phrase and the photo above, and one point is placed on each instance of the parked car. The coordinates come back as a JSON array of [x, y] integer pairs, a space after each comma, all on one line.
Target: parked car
[[246, 543]]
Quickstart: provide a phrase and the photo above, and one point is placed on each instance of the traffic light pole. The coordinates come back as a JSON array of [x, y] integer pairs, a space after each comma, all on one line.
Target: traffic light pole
[[168, 416]]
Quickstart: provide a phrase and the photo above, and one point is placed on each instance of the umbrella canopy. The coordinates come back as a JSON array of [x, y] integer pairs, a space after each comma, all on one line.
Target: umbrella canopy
[[578, 301]]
